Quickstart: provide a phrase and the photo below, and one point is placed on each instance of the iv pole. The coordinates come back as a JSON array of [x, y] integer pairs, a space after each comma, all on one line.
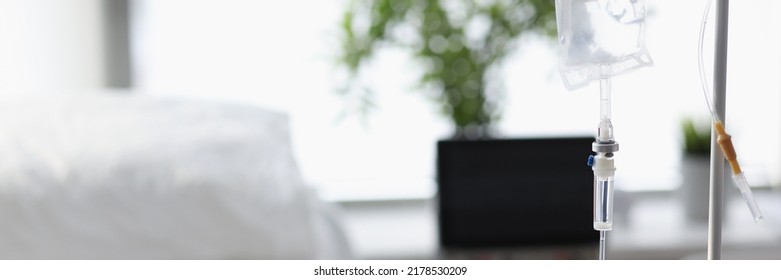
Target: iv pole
[[716, 204]]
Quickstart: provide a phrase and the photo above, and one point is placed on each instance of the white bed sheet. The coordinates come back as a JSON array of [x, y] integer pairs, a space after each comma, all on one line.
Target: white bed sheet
[[112, 176]]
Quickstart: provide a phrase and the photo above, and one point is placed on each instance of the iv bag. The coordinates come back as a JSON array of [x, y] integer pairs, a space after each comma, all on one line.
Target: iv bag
[[600, 39]]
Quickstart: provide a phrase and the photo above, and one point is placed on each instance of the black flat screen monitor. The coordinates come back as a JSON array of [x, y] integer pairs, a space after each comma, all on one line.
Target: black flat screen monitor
[[515, 192]]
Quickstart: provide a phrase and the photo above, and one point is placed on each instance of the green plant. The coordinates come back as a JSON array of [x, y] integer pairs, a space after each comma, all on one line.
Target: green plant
[[459, 42], [696, 138]]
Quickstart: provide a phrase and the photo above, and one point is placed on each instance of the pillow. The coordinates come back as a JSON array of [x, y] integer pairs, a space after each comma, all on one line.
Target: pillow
[[108, 176]]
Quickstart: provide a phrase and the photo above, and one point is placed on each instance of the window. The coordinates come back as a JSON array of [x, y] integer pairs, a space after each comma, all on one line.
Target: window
[[279, 55]]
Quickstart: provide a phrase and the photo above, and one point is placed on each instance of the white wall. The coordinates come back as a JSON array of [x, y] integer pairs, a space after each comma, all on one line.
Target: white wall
[[50, 45]]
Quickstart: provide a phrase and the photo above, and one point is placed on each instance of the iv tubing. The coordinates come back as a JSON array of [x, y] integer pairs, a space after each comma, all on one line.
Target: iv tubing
[[722, 138], [602, 245], [703, 79], [604, 98]]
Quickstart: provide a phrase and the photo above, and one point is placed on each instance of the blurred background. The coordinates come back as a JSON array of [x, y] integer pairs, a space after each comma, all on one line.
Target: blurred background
[[123, 118]]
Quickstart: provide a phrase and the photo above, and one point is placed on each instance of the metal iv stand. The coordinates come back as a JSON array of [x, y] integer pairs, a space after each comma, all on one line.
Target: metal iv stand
[[716, 197]]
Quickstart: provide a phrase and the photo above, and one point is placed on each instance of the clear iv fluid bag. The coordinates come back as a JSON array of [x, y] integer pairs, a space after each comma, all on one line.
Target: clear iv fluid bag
[[600, 39]]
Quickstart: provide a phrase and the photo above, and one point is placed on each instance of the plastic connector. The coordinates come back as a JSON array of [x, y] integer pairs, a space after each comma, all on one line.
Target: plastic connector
[[725, 142], [748, 195]]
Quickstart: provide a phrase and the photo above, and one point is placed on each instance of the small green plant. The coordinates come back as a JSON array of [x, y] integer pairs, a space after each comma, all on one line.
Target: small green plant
[[460, 43], [696, 138]]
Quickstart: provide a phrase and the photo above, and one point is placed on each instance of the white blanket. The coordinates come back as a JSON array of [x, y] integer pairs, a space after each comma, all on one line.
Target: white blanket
[[108, 176]]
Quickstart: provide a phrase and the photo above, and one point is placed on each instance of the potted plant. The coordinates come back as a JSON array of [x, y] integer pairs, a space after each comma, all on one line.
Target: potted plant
[[695, 168], [461, 43]]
